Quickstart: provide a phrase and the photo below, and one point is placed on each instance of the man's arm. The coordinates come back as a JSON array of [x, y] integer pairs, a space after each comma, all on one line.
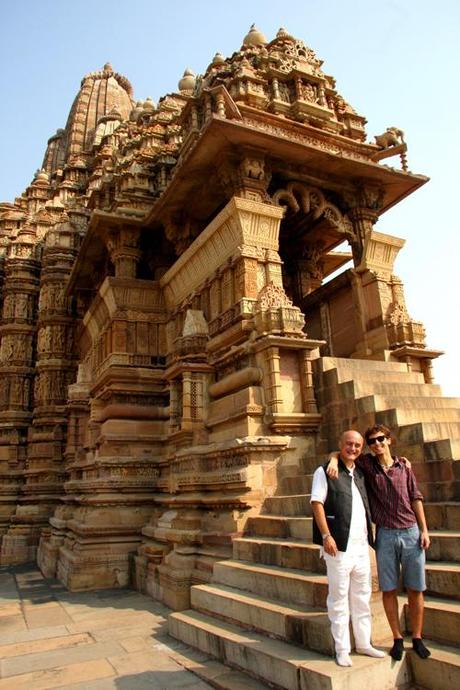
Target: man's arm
[[319, 515], [417, 507], [332, 470]]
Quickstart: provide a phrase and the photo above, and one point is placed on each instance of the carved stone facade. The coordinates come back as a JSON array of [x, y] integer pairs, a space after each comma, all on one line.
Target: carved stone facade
[[163, 291]]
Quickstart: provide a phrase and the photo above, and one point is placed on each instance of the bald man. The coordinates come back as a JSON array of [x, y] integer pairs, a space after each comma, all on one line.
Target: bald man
[[342, 526]]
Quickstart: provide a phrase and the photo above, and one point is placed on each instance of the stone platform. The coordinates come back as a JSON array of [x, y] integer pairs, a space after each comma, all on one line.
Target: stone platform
[[50, 638]]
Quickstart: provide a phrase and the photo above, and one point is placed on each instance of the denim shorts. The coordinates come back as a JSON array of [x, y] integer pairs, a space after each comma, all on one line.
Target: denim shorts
[[399, 549]]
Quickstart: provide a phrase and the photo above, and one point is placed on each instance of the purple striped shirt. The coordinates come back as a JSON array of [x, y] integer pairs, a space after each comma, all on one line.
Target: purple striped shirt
[[390, 493]]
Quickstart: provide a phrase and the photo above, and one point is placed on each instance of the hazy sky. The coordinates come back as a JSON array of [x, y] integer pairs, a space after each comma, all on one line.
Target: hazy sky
[[396, 61]]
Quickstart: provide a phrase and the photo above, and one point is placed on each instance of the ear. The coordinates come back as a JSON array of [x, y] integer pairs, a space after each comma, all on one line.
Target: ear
[[389, 441]]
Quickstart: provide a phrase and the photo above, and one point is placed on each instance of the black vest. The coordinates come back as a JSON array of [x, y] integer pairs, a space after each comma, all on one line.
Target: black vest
[[338, 507]]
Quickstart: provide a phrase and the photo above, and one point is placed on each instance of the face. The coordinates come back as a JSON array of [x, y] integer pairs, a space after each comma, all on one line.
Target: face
[[378, 443], [351, 445]]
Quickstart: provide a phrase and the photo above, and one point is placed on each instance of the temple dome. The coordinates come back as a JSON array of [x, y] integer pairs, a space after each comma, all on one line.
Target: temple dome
[[254, 37], [218, 59], [188, 81], [100, 93]]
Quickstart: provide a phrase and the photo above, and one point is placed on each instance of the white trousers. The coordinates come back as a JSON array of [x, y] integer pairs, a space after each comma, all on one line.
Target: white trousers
[[349, 579]]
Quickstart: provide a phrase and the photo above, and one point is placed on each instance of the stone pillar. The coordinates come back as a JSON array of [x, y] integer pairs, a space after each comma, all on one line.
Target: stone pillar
[[22, 269], [55, 370], [379, 296], [124, 251]]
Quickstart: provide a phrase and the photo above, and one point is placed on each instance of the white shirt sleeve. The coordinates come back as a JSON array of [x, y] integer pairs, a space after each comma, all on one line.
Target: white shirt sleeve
[[319, 486]]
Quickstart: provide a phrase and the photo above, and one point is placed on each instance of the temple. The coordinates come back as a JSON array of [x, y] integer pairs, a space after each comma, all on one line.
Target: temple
[[195, 303]]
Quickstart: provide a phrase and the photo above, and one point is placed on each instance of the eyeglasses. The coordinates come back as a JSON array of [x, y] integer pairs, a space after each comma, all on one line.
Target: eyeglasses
[[371, 441]]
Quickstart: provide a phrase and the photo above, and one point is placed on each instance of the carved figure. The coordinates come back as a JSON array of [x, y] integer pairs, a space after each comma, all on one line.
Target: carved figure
[[392, 137]]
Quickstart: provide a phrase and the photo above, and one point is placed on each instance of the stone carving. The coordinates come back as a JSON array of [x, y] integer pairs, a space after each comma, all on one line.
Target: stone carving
[[272, 297], [391, 137]]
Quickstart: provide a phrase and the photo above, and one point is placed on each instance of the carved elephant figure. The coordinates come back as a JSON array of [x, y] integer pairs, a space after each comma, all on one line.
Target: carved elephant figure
[[392, 137]]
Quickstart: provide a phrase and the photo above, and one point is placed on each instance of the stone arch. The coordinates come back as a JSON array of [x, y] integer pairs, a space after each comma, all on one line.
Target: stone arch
[[312, 226], [310, 200]]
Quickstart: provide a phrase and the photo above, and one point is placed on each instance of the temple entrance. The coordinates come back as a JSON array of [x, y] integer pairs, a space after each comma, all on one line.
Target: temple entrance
[[315, 239]]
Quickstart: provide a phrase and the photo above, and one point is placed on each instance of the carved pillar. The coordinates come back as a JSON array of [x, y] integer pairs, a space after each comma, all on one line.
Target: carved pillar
[[16, 378], [54, 534], [381, 307], [123, 246], [247, 177], [274, 388], [55, 370]]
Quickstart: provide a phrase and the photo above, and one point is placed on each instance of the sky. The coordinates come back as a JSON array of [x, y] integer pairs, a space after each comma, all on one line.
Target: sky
[[396, 62]]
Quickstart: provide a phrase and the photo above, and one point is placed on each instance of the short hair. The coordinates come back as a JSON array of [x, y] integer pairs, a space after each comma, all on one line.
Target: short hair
[[370, 431]]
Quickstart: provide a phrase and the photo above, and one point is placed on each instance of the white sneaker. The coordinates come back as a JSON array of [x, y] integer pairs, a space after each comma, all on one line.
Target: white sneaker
[[371, 651], [343, 659]]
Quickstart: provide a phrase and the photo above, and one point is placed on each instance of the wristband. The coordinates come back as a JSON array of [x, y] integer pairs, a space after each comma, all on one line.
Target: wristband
[[325, 536]]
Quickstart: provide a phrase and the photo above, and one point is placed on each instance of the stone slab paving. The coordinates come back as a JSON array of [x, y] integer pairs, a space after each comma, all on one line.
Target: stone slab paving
[[105, 640]]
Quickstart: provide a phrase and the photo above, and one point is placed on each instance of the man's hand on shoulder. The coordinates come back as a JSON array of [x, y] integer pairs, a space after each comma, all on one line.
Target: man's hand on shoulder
[[332, 469], [407, 463]]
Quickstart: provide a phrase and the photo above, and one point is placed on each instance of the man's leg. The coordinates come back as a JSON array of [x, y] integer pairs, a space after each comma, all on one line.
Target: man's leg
[[413, 570], [338, 576], [390, 604], [388, 567], [360, 594], [416, 608]]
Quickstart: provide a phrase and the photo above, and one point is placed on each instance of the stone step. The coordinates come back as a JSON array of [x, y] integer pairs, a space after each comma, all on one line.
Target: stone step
[[281, 552], [437, 471], [359, 388], [279, 664], [280, 584], [375, 402], [368, 377], [441, 620], [440, 491], [400, 416], [280, 526], [427, 431], [296, 484], [308, 627], [214, 673], [443, 516], [440, 671], [445, 546], [443, 579], [342, 365], [429, 451], [288, 505]]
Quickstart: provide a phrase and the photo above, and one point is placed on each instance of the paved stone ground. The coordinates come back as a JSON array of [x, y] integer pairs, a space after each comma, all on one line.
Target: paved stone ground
[[109, 639]]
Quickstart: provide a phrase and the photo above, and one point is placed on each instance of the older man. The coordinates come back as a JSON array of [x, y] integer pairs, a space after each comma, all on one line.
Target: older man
[[342, 526]]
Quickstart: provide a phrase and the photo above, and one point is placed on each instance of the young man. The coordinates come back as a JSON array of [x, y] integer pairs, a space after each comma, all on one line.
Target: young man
[[402, 534], [342, 526]]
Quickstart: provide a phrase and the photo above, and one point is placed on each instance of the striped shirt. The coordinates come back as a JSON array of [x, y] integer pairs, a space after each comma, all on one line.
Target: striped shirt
[[390, 492]]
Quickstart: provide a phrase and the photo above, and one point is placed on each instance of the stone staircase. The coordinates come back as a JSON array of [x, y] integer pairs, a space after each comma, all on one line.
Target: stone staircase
[[264, 611]]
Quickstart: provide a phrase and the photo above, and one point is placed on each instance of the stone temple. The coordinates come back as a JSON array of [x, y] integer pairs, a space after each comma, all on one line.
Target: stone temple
[[175, 364]]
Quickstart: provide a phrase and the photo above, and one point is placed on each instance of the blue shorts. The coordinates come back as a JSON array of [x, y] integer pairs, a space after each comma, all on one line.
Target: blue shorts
[[399, 549]]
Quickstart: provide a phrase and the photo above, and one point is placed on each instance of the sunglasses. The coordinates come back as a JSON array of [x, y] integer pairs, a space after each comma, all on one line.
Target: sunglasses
[[371, 441]]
